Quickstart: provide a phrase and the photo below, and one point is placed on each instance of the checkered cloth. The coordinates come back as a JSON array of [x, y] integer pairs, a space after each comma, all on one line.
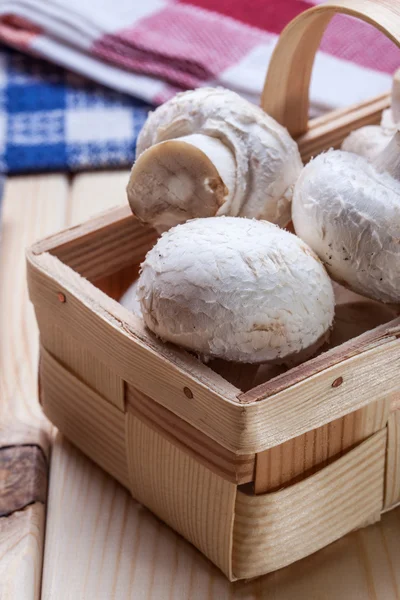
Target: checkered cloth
[[52, 119], [153, 48]]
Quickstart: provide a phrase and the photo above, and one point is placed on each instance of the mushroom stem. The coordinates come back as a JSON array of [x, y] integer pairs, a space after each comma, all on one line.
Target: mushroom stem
[[182, 178], [389, 159], [396, 96]]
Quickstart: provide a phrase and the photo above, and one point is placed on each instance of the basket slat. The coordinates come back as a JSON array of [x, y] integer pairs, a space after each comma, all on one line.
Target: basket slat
[[94, 425], [304, 455], [237, 468], [195, 501], [392, 487], [274, 530], [80, 361], [312, 402], [101, 246]]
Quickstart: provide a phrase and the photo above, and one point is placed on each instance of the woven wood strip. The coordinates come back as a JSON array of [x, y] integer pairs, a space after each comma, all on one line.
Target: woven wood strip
[[392, 487], [237, 468], [274, 530], [94, 425], [80, 361], [188, 496], [302, 456]]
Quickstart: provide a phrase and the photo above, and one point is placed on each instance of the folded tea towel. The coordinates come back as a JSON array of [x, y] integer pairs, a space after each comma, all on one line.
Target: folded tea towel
[[152, 48], [52, 119]]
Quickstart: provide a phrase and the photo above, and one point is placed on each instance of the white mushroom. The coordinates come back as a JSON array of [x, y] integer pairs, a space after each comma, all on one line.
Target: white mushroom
[[348, 210], [370, 140], [238, 289], [209, 152]]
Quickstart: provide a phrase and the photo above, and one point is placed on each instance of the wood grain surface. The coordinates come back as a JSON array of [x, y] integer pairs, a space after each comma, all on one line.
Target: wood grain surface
[[100, 543], [32, 207], [302, 456]]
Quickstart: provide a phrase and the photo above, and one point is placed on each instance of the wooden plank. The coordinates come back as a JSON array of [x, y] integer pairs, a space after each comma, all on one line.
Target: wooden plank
[[32, 207], [236, 468], [302, 456], [392, 485], [21, 550], [273, 530], [94, 425], [196, 502]]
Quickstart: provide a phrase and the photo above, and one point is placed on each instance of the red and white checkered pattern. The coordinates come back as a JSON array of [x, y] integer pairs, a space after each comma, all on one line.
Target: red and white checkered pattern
[[154, 48]]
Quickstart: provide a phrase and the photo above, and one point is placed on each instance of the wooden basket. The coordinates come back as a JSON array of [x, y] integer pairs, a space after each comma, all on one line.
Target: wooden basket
[[256, 479]]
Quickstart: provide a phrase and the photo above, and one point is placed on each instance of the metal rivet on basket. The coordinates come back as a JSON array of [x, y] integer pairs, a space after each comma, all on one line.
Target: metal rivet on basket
[[61, 297], [337, 382], [188, 393]]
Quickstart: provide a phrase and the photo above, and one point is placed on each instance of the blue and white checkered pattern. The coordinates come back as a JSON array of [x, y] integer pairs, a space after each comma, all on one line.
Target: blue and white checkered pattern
[[51, 119]]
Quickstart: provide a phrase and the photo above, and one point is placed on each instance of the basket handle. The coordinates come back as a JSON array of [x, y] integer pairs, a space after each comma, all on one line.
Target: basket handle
[[286, 90]]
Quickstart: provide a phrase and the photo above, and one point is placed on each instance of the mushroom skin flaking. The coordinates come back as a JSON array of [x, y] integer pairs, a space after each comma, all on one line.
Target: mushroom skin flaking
[[348, 210], [370, 140], [238, 289], [209, 152]]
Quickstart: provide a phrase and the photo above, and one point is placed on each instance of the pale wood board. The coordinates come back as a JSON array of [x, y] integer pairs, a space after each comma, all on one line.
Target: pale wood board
[[21, 553], [32, 207], [101, 544]]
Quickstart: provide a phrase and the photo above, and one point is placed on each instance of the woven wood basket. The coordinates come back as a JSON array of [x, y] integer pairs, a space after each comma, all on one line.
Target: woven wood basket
[[255, 479]]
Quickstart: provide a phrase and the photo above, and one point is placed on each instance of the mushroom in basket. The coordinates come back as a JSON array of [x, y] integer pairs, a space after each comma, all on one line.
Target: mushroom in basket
[[237, 289], [209, 152], [348, 210]]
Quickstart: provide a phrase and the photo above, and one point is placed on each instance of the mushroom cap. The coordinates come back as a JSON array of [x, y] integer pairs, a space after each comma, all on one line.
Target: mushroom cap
[[238, 289], [267, 159], [349, 213]]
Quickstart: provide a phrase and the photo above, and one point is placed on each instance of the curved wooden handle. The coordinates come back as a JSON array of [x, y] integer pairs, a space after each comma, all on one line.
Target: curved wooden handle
[[286, 90]]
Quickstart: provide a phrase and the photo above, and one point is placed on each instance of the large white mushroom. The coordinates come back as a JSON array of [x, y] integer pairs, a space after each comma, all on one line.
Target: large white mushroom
[[209, 152], [348, 210], [370, 140], [238, 289]]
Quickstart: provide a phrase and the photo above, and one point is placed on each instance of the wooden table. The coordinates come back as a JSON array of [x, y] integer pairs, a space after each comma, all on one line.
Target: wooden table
[[96, 542]]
